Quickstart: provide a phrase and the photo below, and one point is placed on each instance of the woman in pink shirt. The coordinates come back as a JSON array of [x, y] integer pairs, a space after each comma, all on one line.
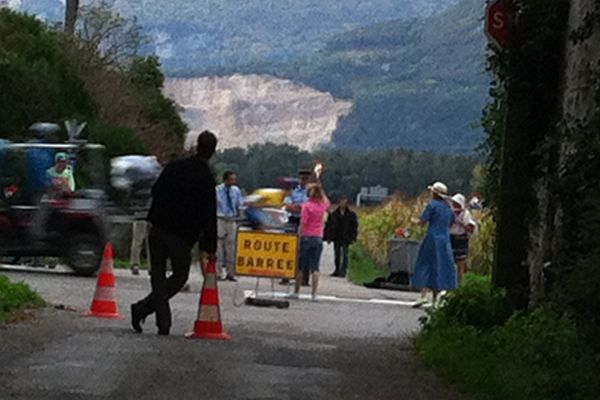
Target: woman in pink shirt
[[312, 222]]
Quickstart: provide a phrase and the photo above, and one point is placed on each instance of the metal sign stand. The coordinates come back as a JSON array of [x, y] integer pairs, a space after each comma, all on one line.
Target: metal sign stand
[[266, 302]]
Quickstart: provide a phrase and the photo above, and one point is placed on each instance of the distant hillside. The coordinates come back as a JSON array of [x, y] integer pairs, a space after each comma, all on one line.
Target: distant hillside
[[224, 33], [418, 84], [415, 83]]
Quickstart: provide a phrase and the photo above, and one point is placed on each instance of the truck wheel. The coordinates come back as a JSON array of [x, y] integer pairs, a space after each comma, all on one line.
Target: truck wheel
[[84, 254]]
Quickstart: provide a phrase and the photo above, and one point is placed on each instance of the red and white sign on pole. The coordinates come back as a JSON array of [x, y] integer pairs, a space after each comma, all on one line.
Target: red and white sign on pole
[[497, 22]]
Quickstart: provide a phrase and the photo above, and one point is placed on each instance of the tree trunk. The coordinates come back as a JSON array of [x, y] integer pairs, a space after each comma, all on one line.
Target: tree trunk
[[542, 229], [578, 99], [581, 58], [533, 109], [509, 271], [71, 10]]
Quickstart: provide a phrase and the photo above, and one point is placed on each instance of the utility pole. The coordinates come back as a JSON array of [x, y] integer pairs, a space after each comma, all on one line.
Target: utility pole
[[71, 10]]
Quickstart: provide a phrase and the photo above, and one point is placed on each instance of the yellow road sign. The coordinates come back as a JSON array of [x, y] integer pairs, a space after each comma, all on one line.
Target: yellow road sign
[[265, 254]]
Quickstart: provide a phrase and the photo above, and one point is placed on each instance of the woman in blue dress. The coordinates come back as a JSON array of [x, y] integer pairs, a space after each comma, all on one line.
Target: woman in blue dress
[[435, 269]]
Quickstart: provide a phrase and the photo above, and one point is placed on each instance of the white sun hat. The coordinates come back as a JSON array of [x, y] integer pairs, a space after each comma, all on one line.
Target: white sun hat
[[460, 200], [439, 188]]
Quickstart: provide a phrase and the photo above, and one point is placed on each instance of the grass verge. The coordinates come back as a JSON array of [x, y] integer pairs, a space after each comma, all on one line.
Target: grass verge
[[119, 263], [14, 297], [361, 267]]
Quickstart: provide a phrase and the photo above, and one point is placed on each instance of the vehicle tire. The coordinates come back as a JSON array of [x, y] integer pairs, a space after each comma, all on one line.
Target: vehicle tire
[[84, 254]]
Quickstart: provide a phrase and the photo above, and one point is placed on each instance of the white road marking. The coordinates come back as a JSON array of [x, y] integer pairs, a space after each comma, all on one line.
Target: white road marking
[[60, 270], [251, 293]]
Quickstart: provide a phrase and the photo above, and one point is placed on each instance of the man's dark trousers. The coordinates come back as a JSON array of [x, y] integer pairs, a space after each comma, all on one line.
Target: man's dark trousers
[[341, 258], [166, 246]]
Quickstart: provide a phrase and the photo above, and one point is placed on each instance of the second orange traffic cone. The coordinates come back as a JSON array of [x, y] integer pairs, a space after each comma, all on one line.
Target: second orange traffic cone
[[208, 324], [104, 304]]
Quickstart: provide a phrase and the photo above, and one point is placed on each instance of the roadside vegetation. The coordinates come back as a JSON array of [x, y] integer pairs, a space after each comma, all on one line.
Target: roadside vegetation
[[379, 224], [532, 331], [361, 266], [477, 342], [97, 75], [15, 297]]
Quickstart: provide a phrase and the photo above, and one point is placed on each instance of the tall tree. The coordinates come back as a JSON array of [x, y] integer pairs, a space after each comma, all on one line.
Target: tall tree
[[113, 39], [71, 10], [533, 110]]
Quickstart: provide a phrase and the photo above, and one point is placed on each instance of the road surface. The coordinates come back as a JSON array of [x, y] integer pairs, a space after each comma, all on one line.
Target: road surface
[[353, 343]]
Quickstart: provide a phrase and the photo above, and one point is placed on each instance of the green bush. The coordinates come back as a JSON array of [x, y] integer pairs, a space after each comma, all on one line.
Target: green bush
[[37, 77], [14, 296], [476, 303], [547, 357], [475, 342], [118, 141]]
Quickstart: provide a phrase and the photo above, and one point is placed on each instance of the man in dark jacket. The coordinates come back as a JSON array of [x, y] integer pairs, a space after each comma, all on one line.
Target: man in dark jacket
[[183, 210], [342, 230]]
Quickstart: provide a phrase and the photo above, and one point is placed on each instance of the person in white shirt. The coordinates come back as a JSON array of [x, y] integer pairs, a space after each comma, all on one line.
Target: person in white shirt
[[464, 226], [229, 201]]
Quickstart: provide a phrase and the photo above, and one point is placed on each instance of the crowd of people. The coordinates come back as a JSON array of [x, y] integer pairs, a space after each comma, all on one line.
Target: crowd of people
[[188, 207], [300, 206]]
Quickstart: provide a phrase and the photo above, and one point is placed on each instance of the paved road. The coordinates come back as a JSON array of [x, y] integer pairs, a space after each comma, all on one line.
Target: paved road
[[331, 349]]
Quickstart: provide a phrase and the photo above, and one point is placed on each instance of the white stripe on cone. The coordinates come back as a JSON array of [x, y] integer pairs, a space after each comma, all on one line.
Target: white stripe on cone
[[105, 293]]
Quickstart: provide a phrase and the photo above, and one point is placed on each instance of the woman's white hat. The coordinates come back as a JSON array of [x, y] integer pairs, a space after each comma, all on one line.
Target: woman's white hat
[[460, 200], [439, 188]]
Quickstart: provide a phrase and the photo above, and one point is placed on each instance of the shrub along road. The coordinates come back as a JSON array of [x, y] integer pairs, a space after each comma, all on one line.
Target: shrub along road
[[322, 350]]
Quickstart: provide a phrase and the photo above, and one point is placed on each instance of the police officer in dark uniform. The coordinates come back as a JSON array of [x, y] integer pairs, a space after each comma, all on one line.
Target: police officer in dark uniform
[[183, 210]]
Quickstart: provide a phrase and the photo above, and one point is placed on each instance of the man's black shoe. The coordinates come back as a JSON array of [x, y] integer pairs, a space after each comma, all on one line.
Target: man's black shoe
[[136, 318], [231, 278], [334, 274], [163, 332]]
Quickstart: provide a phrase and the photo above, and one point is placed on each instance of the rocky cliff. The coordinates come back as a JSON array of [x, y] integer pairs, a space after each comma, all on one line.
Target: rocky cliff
[[248, 109]]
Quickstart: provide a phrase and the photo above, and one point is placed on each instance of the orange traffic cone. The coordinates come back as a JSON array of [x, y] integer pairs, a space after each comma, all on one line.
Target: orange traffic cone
[[208, 324], [104, 304]]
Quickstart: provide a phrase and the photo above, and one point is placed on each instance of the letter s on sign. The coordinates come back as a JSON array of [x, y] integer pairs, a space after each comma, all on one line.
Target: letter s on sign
[[499, 20]]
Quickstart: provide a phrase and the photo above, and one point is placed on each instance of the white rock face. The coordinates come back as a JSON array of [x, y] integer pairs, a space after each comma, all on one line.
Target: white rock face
[[249, 109]]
